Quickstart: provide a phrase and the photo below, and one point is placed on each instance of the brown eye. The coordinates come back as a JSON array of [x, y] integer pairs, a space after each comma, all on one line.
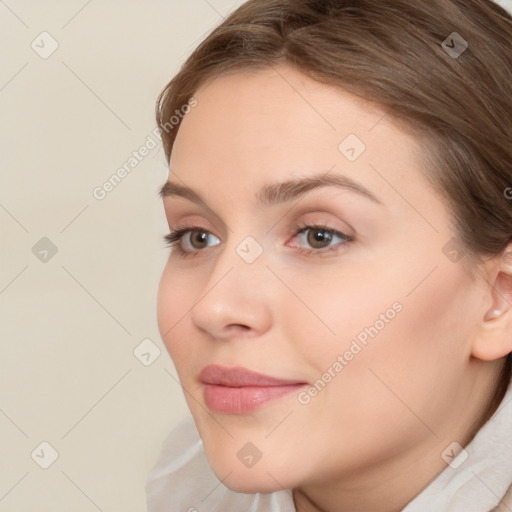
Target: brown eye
[[316, 240], [319, 238], [198, 239], [186, 242]]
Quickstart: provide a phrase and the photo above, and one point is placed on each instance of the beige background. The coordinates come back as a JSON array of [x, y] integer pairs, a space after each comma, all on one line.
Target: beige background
[[71, 321], [69, 326]]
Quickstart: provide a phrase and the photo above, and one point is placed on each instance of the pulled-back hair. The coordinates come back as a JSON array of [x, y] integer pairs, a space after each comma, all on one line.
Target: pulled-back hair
[[409, 56]]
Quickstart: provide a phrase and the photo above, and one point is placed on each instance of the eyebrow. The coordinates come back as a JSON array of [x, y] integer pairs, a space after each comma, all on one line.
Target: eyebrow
[[276, 193]]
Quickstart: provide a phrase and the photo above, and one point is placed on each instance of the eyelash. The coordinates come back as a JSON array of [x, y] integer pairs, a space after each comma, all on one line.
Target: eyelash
[[174, 237]]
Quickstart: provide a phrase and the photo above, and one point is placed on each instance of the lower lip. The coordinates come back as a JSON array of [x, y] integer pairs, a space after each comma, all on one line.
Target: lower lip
[[230, 400]]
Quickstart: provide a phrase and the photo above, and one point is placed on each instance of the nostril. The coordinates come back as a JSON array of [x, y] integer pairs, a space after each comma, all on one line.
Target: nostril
[[237, 328]]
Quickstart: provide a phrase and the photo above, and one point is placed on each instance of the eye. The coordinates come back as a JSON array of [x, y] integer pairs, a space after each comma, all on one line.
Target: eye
[[195, 237], [320, 238], [190, 241]]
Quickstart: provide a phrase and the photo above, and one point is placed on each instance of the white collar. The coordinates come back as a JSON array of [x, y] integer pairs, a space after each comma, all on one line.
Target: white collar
[[479, 483]]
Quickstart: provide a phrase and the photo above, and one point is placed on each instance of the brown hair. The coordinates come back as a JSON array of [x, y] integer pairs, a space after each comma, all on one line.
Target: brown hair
[[403, 55]]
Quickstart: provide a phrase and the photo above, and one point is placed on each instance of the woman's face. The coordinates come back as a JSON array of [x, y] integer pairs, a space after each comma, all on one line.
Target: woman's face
[[376, 327]]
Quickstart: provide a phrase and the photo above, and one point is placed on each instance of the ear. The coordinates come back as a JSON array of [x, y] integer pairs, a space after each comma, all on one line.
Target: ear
[[494, 337]]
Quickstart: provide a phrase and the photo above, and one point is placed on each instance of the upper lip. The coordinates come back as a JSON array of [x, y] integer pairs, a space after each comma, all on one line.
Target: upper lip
[[239, 377]]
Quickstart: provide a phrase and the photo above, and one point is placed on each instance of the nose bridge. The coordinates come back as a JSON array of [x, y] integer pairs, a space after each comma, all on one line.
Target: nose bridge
[[234, 293], [243, 247], [242, 262]]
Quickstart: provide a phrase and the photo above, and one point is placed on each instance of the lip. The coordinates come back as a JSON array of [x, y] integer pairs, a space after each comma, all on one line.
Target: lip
[[239, 390]]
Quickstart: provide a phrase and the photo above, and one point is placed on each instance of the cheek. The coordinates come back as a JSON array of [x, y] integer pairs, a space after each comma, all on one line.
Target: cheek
[[333, 311], [397, 376], [417, 358], [174, 301], [435, 348], [388, 341]]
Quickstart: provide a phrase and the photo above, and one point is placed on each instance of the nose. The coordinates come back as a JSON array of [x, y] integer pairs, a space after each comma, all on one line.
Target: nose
[[236, 300]]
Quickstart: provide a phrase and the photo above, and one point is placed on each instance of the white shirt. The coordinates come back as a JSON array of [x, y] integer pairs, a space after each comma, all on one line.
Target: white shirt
[[183, 481]]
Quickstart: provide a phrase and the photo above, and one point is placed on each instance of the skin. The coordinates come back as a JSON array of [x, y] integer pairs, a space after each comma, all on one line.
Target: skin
[[372, 439]]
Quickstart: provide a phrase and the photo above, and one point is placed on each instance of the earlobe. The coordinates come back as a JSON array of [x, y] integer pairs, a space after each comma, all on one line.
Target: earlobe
[[494, 338], [494, 313]]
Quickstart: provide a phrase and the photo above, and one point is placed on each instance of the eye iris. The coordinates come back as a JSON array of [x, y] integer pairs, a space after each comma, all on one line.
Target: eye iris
[[318, 236], [201, 237]]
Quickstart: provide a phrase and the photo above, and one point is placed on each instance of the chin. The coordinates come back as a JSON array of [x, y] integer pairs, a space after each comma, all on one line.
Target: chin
[[265, 476], [251, 481], [274, 465]]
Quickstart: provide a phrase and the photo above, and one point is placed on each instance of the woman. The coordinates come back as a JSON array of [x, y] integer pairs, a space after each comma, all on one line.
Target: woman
[[337, 296]]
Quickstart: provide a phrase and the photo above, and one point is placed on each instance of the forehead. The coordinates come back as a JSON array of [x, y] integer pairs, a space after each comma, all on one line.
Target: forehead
[[284, 102], [255, 127]]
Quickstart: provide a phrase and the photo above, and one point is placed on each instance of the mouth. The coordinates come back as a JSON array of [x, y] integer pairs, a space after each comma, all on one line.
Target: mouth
[[239, 390]]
